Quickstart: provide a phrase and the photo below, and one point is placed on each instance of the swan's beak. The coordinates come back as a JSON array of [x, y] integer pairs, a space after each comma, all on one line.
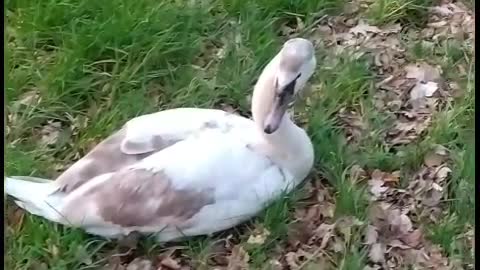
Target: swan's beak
[[281, 102]]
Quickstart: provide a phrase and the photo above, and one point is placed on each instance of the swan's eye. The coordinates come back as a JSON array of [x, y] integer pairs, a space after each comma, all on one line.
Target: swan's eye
[[290, 88]]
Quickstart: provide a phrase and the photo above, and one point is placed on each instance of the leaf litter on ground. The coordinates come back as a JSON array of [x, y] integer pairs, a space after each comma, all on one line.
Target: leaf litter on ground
[[410, 94], [394, 235]]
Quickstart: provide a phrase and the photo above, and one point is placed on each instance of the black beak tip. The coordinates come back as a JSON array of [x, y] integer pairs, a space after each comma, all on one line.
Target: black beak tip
[[268, 129]]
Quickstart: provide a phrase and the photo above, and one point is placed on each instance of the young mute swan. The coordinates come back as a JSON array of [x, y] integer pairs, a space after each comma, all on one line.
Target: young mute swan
[[186, 172]]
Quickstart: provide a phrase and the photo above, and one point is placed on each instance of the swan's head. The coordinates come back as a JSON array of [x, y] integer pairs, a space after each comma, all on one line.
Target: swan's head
[[296, 64]]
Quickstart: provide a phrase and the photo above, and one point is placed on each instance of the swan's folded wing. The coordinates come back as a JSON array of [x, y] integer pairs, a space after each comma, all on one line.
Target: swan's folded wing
[[151, 132], [135, 199], [105, 157], [139, 138]]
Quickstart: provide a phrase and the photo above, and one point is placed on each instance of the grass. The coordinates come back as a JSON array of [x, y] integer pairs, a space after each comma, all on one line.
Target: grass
[[96, 64], [405, 11]]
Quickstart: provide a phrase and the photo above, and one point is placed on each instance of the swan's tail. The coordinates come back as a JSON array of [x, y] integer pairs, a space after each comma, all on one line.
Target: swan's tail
[[35, 195]]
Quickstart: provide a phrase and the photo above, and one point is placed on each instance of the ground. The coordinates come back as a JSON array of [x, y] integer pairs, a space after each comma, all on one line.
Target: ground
[[390, 113]]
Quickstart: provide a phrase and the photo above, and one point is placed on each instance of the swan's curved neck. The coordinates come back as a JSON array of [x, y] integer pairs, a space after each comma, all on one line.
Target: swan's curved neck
[[289, 145], [263, 94]]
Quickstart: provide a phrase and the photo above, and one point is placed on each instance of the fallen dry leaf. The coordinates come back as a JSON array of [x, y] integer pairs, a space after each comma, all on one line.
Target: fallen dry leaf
[[357, 173], [170, 263], [353, 123], [238, 260], [299, 233], [470, 237], [292, 260], [325, 232], [426, 84], [380, 182], [29, 98], [54, 251], [423, 89], [15, 217], [368, 267], [345, 225], [297, 260], [210, 54], [443, 10], [427, 187], [433, 160], [371, 235], [51, 133], [130, 240], [377, 187], [392, 28], [407, 129], [399, 221], [259, 235], [362, 28], [396, 243], [114, 266], [412, 239], [351, 7], [376, 253], [290, 29], [436, 157], [422, 72], [84, 256], [393, 177], [309, 213], [442, 173], [385, 177], [390, 234], [140, 264], [275, 264]]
